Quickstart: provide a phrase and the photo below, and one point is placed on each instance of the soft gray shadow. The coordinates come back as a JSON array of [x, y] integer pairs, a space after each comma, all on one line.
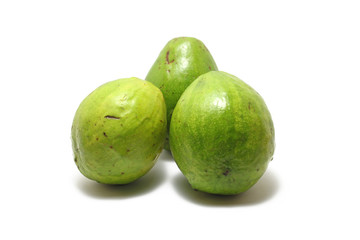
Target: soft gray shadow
[[149, 182], [166, 156], [262, 191]]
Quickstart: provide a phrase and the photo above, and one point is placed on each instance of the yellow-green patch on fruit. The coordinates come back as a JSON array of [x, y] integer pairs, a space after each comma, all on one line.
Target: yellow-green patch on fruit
[[119, 130]]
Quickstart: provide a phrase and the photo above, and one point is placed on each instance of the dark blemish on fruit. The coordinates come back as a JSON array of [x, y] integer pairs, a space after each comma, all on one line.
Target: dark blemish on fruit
[[97, 139], [127, 150], [257, 169], [95, 124], [168, 70], [111, 117], [209, 67], [167, 58], [161, 121], [226, 172], [105, 134], [109, 171], [111, 147], [271, 159], [75, 159], [205, 170], [121, 124], [122, 173]]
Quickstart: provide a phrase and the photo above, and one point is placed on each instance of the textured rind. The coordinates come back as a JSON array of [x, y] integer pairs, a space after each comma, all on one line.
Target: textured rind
[[221, 134], [119, 131], [179, 63]]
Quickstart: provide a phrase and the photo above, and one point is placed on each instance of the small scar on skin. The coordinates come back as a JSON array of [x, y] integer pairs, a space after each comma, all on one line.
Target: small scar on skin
[[127, 150], [122, 173], [161, 121], [226, 172], [167, 58], [257, 169], [105, 134], [209, 68], [111, 117], [111, 146], [97, 139]]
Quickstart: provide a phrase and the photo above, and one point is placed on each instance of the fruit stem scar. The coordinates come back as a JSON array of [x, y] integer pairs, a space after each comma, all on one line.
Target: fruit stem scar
[[167, 58], [111, 117]]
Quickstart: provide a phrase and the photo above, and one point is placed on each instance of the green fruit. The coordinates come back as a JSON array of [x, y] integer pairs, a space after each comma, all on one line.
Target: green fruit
[[180, 62], [119, 130], [221, 134]]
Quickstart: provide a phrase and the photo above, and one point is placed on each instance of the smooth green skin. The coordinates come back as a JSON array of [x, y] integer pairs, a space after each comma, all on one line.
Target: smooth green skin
[[221, 134], [119, 130], [180, 62]]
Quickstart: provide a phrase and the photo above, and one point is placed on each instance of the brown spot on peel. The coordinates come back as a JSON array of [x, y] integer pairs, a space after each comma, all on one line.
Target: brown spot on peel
[[111, 117], [105, 134], [226, 172], [167, 58]]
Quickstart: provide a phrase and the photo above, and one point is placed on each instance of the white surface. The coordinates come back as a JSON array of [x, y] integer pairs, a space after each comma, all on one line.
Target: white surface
[[303, 58]]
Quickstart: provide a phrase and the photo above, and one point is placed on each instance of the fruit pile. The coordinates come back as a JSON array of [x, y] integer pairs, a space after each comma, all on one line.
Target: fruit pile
[[217, 127]]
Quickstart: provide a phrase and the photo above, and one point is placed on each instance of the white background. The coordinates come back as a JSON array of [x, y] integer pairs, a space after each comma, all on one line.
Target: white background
[[303, 57]]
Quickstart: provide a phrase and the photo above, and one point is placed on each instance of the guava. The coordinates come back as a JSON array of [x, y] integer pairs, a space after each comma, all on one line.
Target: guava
[[221, 134], [119, 130], [179, 63]]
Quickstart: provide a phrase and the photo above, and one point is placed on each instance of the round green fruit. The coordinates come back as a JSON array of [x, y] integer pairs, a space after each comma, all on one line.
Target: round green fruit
[[119, 130], [179, 63], [221, 134]]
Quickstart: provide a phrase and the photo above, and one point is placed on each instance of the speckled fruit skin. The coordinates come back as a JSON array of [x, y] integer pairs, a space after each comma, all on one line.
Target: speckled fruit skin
[[119, 130], [180, 62], [221, 134]]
